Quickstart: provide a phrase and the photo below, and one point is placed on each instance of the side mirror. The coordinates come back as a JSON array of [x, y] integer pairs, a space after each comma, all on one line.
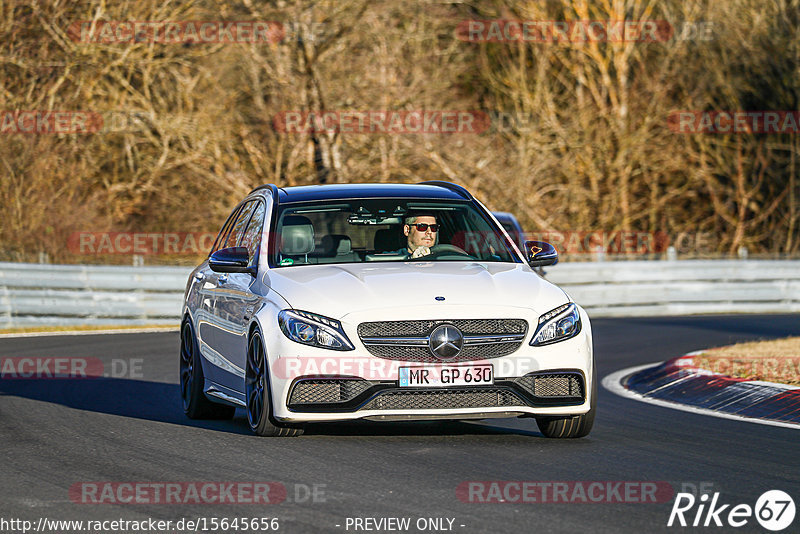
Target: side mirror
[[540, 253], [231, 260]]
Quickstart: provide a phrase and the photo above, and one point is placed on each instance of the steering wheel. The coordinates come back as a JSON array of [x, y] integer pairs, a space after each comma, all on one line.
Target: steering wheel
[[442, 250]]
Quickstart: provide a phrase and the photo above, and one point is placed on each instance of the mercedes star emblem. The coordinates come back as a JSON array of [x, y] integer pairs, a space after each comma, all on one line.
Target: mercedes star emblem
[[446, 342]]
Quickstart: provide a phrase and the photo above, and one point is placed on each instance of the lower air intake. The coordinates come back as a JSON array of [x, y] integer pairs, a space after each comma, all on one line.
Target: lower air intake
[[327, 391], [549, 386], [440, 399]]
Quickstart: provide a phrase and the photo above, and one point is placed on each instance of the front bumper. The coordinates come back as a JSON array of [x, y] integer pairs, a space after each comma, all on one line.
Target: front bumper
[[346, 395], [356, 385]]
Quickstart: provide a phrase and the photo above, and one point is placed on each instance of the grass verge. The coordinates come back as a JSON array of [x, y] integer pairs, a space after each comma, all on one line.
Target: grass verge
[[771, 361]]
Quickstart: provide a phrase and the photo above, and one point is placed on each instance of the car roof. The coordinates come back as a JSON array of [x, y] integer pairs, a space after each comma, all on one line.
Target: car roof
[[308, 193], [504, 215]]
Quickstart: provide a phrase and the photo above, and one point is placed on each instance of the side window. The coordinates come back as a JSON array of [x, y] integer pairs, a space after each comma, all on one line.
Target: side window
[[252, 236], [218, 243], [237, 231]]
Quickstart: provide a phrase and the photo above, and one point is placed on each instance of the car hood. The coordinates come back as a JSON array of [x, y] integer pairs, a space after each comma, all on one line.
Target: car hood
[[338, 290]]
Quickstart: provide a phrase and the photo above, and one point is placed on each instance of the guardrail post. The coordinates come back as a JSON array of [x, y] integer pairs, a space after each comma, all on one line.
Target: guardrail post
[[672, 254]]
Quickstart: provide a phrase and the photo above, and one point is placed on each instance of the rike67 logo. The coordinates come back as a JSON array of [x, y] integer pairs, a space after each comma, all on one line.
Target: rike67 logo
[[774, 510]]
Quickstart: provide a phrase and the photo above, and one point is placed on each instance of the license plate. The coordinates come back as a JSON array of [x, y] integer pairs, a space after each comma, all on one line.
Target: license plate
[[444, 376]]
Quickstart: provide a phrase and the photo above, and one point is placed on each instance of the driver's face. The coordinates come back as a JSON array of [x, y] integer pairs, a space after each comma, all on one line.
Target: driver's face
[[418, 239]]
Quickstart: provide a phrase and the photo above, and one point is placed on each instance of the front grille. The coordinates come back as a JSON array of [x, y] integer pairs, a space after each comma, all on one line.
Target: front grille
[[423, 355], [556, 385], [445, 398], [422, 329], [327, 391]]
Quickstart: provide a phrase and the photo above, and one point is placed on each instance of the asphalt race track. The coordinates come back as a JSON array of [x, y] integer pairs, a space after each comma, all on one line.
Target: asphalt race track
[[58, 433]]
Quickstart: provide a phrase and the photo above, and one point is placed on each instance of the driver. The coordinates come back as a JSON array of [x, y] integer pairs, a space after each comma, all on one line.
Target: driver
[[421, 231]]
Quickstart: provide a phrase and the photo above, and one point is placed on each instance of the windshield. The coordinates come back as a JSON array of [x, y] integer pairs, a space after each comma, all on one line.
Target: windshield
[[379, 230]]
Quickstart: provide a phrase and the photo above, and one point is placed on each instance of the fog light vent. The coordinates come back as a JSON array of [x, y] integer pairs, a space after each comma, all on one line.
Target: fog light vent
[[326, 391], [557, 385]]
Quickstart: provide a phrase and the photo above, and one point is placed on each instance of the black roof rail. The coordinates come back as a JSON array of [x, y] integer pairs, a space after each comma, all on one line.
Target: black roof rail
[[451, 186]]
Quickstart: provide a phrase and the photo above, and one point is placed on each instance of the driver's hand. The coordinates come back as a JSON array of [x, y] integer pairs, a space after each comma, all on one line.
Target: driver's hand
[[421, 251]]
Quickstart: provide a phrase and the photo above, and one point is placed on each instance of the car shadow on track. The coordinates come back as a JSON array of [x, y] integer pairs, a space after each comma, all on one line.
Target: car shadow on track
[[152, 401], [159, 401], [417, 428]]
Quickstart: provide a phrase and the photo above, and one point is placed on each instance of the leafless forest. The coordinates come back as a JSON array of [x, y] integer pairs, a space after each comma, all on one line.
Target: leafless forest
[[579, 137]]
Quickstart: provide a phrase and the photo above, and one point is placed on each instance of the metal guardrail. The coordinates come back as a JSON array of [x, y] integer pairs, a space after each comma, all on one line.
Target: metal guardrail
[[649, 288], [40, 294]]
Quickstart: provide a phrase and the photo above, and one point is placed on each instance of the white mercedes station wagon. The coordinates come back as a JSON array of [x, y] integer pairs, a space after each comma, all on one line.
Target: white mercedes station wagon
[[384, 302]]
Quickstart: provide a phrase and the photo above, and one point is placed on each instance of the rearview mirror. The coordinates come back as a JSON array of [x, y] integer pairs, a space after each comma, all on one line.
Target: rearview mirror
[[231, 260], [540, 253]]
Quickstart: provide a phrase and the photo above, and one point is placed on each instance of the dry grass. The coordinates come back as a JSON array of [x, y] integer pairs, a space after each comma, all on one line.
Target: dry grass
[[583, 144], [772, 361]]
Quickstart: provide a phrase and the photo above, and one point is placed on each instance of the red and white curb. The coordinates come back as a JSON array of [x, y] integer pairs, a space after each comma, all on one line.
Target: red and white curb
[[679, 385]]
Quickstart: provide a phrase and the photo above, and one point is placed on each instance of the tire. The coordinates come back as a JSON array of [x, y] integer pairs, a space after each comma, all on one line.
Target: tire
[[195, 404], [257, 393], [575, 426]]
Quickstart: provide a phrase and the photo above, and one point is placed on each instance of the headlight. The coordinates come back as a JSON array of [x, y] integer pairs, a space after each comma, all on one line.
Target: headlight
[[312, 329], [557, 325]]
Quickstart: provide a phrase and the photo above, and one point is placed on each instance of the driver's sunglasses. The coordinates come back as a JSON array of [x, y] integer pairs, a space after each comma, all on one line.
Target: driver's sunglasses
[[422, 227]]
